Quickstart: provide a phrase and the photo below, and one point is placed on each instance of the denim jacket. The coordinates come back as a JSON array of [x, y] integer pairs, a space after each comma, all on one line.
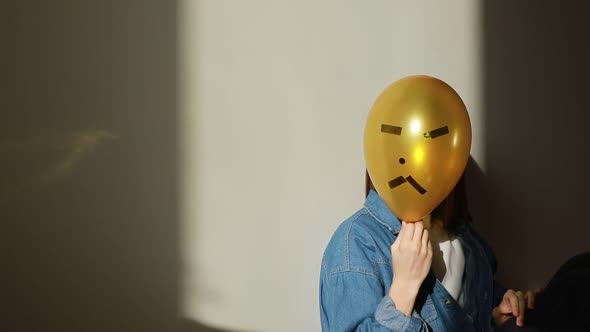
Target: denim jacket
[[356, 275]]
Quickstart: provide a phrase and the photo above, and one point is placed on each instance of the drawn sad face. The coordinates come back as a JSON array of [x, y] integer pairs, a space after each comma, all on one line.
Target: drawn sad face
[[418, 153], [417, 142]]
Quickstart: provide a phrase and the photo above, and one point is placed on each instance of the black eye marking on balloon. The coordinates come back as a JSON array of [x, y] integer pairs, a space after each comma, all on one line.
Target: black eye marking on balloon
[[437, 132], [391, 129], [400, 180]]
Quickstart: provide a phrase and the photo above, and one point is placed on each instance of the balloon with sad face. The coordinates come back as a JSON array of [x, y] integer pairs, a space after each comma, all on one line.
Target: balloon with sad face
[[417, 142]]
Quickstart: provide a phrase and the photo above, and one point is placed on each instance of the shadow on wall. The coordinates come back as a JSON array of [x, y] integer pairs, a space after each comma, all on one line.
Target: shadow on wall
[[536, 71], [88, 168]]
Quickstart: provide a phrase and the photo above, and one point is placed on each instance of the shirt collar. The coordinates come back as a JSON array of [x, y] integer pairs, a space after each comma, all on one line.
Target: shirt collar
[[377, 208]]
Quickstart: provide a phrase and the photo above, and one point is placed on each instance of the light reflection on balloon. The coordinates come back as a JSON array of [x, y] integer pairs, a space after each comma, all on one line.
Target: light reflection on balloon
[[415, 126], [418, 155]]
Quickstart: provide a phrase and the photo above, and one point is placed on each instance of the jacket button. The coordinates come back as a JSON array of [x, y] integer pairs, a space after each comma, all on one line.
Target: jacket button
[[447, 302]]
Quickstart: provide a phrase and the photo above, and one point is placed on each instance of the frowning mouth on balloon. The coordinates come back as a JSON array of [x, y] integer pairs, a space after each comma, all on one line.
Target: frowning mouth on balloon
[[395, 130], [401, 180]]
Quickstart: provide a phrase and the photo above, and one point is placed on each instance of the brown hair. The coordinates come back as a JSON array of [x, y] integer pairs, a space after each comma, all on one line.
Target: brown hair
[[453, 210]]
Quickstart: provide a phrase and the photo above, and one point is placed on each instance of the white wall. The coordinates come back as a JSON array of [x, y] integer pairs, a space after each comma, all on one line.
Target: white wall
[[274, 96]]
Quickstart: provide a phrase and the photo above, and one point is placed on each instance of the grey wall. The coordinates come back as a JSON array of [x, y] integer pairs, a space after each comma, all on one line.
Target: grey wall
[[88, 165], [532, 205]]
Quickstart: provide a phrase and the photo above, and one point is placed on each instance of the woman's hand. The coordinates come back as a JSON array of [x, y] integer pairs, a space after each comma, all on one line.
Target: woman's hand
[[515, 304], [411, 255]]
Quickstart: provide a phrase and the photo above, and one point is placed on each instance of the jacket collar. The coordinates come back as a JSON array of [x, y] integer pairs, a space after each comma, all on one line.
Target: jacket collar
[[377, 208]]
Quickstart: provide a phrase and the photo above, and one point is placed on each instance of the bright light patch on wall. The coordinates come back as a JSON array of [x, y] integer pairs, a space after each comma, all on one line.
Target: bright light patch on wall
[[48, 156], [274, 95]]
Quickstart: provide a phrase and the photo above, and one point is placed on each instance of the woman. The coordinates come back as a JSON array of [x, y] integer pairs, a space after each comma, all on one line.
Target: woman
[[437, 274]]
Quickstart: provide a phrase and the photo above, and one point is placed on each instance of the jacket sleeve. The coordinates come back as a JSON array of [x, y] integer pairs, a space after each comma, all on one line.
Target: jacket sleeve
[[499, 290], [354, 301]]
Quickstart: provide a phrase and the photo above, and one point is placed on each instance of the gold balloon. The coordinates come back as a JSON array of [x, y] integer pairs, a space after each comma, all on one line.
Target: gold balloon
[[417, 142]]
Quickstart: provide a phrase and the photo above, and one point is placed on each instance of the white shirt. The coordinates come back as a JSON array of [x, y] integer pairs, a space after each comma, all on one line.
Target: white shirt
[[448, 262]]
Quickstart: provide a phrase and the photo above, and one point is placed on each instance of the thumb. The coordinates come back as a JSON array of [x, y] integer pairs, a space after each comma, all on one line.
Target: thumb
[[505, 307]]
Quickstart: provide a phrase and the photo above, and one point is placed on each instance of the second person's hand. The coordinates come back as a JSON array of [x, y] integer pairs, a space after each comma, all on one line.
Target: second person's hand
[[515, 303]]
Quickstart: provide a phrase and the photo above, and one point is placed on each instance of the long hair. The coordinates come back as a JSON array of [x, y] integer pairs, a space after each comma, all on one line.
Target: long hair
[[453, 210]]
